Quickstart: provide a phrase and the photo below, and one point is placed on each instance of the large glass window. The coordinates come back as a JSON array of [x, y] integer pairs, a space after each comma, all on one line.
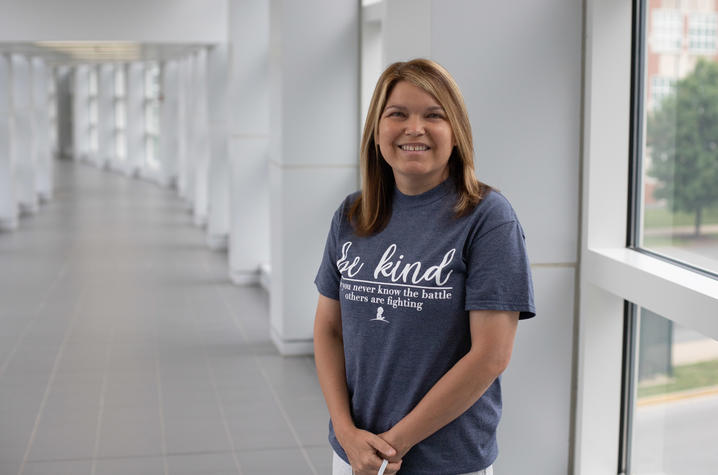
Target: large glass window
[[675, 399], [677, 205]]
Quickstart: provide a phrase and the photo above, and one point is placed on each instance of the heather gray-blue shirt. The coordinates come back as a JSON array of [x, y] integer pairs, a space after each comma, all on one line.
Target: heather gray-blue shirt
[[405, 294]]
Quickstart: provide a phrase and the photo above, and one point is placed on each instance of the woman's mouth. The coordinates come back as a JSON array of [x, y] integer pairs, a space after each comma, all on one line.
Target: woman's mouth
[[414, 147]]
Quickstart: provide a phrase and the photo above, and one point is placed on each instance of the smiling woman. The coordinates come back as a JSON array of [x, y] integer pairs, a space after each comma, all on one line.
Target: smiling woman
[[424, 278]]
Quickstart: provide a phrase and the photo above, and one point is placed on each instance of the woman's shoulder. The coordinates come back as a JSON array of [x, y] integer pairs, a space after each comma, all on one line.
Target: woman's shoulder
[[493, 210]]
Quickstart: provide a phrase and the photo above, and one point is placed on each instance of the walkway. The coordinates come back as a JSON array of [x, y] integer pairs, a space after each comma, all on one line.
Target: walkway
[[124, 349]]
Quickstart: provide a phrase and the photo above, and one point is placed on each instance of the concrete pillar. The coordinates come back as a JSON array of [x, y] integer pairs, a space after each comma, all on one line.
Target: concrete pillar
[[249, 140], [168, 124], [218, 192], [23, 149], [135, 126], [80, 112], [201, 149], [8, 202], [41, 119], [106, 115], [314, 145]]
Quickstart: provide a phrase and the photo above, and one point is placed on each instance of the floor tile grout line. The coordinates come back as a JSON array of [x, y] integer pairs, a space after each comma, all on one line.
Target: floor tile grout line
[[163, 429], [48, 388], [218, 399], [275, 396], [228, 432], [33, 320], [101, 412]]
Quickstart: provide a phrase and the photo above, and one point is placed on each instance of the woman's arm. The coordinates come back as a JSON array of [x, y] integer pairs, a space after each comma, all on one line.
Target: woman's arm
[[361, 446], [492, 341]]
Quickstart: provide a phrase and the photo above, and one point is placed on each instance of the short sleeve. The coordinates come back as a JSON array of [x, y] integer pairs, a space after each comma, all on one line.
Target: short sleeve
[[328, 276], [498, 271]]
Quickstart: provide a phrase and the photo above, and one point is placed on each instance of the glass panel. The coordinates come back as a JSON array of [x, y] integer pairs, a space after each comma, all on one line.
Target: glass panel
[[675, 414], [151, 151], [679, 178]]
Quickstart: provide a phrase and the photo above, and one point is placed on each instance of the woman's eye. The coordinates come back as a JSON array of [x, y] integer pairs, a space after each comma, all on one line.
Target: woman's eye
[[435, 115], [395, 114]]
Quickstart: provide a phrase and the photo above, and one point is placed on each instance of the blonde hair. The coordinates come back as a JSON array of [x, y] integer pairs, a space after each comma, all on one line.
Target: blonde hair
[[371, 211]]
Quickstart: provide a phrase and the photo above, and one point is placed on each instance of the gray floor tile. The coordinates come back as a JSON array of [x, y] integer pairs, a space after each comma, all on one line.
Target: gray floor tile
[[203, 464], [132, 465], [111, 280], [280, 461], [58, 467]]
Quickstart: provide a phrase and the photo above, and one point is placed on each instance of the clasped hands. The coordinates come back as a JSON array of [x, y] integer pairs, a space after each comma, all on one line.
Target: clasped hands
[[366, 451]]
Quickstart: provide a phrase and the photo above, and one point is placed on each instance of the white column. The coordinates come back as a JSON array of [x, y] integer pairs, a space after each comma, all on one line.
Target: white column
[[314, 145], [8, 202], [168, 124], [80, 112], [135, 127], [118, 154], [106, 115], [249, 141], [218, 196], [201, 149], [24, 135], [41, 119], [183, 93]]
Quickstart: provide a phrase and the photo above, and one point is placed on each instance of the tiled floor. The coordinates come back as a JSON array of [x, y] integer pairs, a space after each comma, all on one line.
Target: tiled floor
[[124, 349]]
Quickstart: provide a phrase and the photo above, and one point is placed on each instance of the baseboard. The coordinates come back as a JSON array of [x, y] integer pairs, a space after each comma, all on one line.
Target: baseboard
[[292, 347], [217, 242], [243, 277]]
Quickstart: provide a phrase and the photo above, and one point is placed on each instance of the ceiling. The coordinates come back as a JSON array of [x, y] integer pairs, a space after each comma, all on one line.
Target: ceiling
[[76, 52]]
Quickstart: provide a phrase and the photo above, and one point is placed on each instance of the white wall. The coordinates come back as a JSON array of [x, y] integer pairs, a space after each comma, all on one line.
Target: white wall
[[148, 21], [314, 112]]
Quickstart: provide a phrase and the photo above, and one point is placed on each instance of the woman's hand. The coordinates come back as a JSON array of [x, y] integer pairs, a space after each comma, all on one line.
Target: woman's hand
[[366, 451], [394, 440]]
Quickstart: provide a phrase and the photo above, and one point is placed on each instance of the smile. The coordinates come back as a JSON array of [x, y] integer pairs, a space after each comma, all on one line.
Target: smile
[[414, 147]]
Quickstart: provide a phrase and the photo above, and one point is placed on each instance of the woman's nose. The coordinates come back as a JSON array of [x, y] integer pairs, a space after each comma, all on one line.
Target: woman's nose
[[414, 126]]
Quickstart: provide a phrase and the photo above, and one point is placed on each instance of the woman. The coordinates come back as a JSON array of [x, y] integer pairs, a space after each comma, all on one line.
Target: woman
[[422, 283]]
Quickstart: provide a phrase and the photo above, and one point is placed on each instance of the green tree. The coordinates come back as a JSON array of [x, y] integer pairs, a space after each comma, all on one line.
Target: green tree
[[682, 135]]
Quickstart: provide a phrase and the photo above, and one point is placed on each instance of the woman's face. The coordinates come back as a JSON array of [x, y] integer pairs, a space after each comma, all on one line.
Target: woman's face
[[415, 138]]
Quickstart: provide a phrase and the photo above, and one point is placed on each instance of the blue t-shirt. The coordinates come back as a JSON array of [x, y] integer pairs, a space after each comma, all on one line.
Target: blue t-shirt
[[405, 294]]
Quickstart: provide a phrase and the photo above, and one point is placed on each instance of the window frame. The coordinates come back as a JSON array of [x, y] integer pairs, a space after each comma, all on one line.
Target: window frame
[[610, 271]]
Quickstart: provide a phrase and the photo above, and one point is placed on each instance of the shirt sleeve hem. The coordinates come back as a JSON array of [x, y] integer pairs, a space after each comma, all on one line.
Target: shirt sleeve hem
[[525, 310]]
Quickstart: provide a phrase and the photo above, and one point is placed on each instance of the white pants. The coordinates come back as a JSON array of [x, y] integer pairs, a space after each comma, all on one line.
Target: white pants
[[340, 467]]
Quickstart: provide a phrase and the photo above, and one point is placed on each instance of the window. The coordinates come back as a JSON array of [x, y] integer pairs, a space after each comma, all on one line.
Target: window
[[667, 30], [677, 215], [616, 268], [675, 399], [702, 31]]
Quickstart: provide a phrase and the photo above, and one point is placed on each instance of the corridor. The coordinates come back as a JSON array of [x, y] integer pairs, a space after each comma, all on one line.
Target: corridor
[[124, 348]]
